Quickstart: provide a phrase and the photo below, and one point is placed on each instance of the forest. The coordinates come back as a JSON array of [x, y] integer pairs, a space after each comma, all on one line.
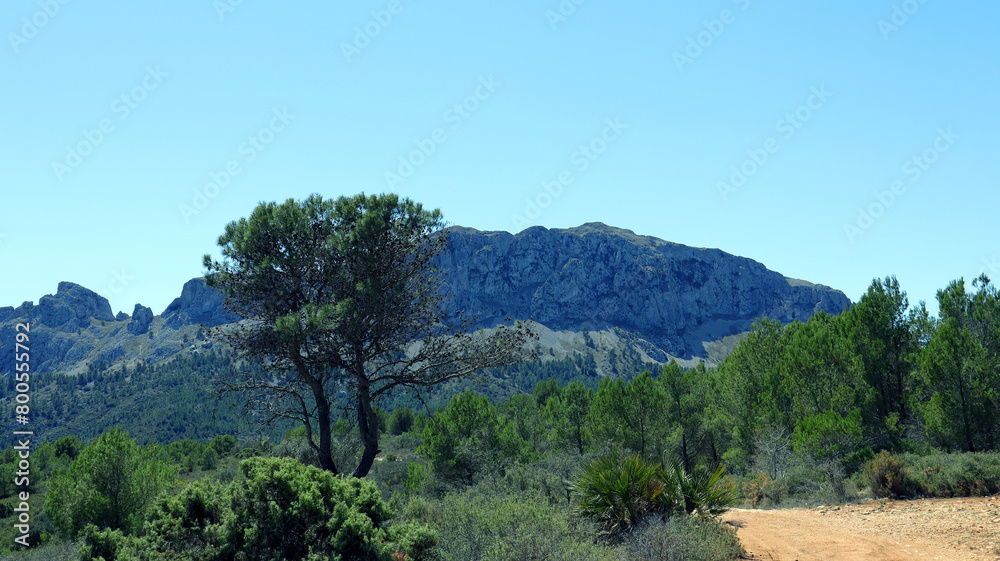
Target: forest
[[550, 460]]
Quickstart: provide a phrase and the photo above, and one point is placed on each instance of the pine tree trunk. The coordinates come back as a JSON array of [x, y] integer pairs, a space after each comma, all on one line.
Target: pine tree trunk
[[368, 428], [325, 448]]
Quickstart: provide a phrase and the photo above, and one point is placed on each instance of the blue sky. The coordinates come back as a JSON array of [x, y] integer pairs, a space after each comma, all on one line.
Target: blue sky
[[834, 142]]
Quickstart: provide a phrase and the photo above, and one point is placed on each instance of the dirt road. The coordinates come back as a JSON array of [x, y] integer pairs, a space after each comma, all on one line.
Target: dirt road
[[932, 529]]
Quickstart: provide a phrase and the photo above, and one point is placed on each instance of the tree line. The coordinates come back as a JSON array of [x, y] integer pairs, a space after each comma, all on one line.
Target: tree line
[[833, 390]]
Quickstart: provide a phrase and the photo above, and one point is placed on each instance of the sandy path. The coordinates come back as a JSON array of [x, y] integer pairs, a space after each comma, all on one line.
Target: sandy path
[[932, 529]]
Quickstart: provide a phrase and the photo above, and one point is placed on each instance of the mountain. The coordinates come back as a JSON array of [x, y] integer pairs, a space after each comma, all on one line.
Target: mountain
[[74, 329], [674, 301], [591, 287]]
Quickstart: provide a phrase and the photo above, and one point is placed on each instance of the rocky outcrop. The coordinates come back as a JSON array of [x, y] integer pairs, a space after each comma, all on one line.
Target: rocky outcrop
[[595, 276], [72, 308], [60, 327], [142, 317], [197, 304], [74, 329]]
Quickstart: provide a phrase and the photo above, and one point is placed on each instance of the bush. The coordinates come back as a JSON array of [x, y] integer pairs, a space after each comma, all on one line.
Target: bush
[[53, 551], [476, 525], [682, 538], [209, 460], [550, 477], [294, 445], [954, 475], [885, 475], [338, 516], [283, 510]]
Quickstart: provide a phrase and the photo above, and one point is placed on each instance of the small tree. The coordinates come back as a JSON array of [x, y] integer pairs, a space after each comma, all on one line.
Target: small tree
[[568, 414], [401, 420], [467, 435], [110, 485], [343, 296]]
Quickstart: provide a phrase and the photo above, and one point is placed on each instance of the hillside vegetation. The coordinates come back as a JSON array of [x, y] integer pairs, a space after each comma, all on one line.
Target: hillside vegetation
[[881, 399]]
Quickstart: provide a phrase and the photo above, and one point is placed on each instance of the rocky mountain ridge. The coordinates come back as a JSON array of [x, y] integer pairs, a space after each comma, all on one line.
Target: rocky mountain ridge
[[596, 277], [584, 284], [74, 328]]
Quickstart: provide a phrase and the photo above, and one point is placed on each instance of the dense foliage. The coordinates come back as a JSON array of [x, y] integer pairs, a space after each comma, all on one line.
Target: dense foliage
[[153, 403], [110, 484], [282, 510], [878, 376], [881, 396]]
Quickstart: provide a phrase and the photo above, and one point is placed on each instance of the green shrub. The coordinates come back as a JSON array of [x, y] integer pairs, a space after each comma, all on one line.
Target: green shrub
[[416, 477], [294, 445], [477, 525], [885, 475], [283, 510], [209, 460], [108, 545], [225, 475], [763, 490], [550, 477], [682, 538], [63, 550], [333, 515], [954, 475]]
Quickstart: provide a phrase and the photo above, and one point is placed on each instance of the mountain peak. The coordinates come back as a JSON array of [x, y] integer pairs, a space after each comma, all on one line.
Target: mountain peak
[[595, 276], [72, 307]]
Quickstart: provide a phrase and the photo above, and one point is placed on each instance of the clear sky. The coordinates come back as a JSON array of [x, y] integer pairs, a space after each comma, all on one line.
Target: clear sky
[[832, 141]]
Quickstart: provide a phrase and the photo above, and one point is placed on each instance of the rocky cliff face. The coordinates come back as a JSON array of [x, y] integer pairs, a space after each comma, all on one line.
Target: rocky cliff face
[[197, 304], [596, 277], [74, 328], [663, 299]]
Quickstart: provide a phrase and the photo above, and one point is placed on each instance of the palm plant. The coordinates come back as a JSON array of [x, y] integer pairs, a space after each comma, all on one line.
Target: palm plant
[[618, 492], [700, 492]]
